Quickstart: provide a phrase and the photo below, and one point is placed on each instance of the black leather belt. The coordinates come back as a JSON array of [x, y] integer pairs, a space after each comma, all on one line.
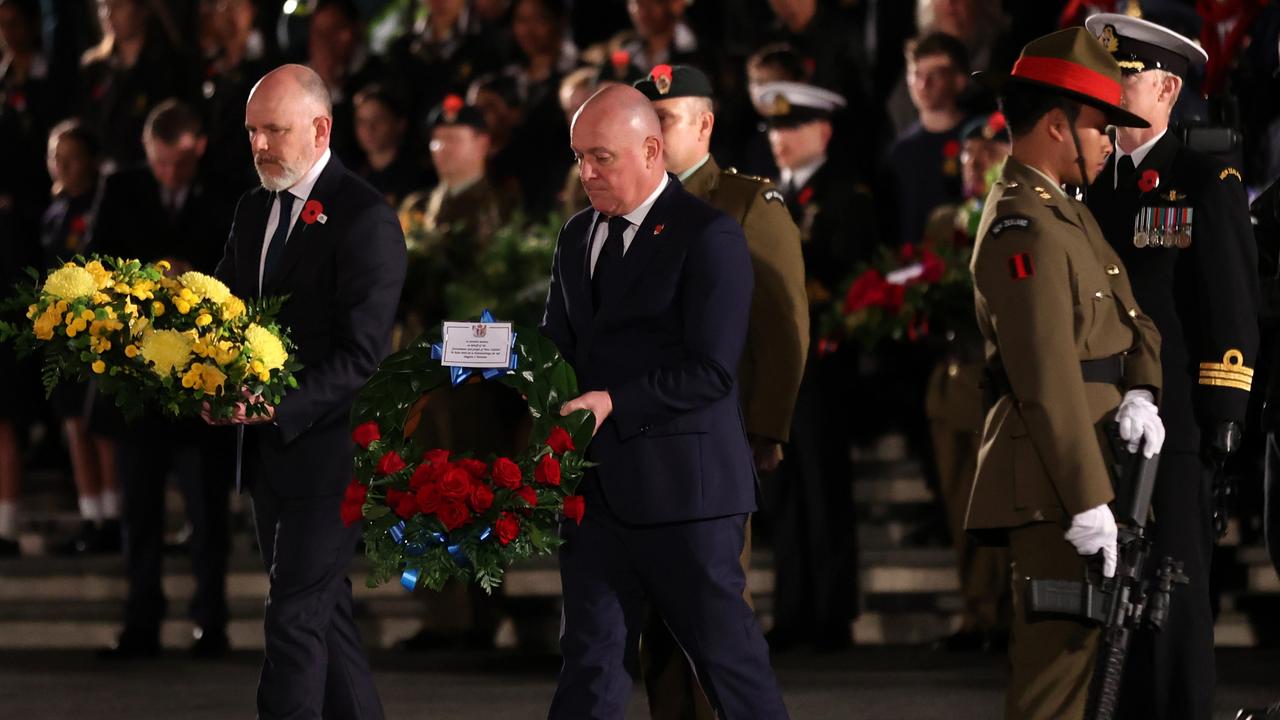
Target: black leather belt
[[1104, 371]]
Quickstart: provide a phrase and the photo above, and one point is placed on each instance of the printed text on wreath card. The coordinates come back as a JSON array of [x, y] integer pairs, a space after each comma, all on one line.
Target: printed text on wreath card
[[476, 345]]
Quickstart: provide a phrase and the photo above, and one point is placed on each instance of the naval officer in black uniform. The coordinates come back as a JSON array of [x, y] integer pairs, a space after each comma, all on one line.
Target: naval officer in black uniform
[[1180, 221]]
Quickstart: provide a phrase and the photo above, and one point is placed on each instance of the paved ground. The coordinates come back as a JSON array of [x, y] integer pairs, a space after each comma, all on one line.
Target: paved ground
[[893, 682]]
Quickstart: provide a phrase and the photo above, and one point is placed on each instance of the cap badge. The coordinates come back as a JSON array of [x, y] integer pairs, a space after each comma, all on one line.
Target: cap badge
[[1109, 39], [780, 105], [661, 76]]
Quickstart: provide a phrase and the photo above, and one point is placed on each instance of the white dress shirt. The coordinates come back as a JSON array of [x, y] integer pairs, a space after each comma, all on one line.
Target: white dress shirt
[[301, 191], [794, 179], [635, 217], [1139, 154]]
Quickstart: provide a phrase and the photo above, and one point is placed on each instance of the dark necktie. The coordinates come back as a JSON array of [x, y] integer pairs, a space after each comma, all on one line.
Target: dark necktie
[[275, 251], [609, 260], [1124, 172]]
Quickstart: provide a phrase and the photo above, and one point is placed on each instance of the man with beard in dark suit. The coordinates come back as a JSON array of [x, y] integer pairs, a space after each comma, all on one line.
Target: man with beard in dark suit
[[164, 211], [649, 302], [327, 240], [1179, 219]]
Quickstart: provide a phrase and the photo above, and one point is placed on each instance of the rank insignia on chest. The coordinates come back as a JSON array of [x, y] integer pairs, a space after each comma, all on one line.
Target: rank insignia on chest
[[1163, 226]]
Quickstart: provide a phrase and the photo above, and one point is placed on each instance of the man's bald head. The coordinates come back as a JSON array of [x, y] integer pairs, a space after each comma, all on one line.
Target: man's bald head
[[289, 118], [617, 141]]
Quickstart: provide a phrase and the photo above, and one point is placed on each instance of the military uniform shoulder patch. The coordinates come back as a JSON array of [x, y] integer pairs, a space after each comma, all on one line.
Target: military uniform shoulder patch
[[1021, 267], [1007, 222], [1229, 172], [774, 195]]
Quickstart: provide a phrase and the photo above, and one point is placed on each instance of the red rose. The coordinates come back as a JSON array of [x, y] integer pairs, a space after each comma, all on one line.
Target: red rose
[[405, 504], [474, 468], [933, 267], [435, 456], [390, 463], [506, 474], [508, 527], [453, 515], [548, 471], [353, 503], [456, 484], [366, 433], [421, 477], [530, 497], [895, 295], [868, 289], [574, 507], [559, 440], [428, 498], [311, 211], [481, 497]]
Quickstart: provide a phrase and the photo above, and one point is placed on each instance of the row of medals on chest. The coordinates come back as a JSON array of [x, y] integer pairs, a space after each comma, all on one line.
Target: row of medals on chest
[[1164, 226]]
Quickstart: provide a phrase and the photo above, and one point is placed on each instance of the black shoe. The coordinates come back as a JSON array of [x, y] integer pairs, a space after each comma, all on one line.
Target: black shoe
[[132, 646], [427, 640], [9, 548], [971, 640], [1271, 711], [110, 540], [85, 538], [210, 645]]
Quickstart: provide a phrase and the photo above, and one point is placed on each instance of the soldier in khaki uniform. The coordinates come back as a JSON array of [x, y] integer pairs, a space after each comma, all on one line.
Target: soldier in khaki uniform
[[953, 404], [777, 333], [1067, 349]]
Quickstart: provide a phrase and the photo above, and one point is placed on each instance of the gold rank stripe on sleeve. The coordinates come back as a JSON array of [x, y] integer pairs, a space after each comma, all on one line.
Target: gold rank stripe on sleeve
[[1231, 372]]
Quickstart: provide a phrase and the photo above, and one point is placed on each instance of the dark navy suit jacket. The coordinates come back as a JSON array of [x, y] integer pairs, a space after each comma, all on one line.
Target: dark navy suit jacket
[[343, 279], [665, 343]]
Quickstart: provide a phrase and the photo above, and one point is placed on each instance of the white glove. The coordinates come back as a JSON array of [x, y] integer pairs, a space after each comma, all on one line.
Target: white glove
[[1140, 422], [1094, 530]]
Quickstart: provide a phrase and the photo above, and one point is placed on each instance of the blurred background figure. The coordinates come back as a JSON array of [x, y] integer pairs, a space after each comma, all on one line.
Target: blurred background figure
[[73, 159], [337, 51], [382, 132], [137, 63]]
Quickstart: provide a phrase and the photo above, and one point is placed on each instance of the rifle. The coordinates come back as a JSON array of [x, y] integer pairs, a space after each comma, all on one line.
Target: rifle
[[1126, 602]]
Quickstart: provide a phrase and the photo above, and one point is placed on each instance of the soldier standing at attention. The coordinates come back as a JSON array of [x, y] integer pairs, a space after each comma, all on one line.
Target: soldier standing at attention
[[1067, 352], [1179, 219], [777, 332]]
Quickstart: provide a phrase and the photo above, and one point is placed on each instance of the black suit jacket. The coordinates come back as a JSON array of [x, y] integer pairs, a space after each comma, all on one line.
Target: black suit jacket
[[132, 223], [343, 279], [1203, 298], [665, 343]]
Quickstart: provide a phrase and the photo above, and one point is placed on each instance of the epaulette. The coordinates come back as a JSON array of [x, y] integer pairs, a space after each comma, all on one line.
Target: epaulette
[[754, 178]]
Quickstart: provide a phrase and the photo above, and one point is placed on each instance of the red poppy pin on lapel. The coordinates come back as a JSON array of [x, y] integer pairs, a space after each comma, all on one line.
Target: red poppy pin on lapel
[[313, 212], [1149, 181], [805, 196], [657, 229]]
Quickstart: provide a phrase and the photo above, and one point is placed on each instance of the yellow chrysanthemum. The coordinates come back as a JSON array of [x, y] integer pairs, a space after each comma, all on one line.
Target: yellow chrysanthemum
[[131, 351], [70, 283], [205, 287], [139, 326], [48, 320], [207, 378], [166, 350], [265, 346], [232, 308], [99, 367], [101, 275], [182, 306], [203, 319], [157, 308]]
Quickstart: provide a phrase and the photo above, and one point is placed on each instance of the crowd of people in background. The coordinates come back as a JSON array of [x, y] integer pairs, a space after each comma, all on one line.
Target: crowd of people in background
[[122, 133]]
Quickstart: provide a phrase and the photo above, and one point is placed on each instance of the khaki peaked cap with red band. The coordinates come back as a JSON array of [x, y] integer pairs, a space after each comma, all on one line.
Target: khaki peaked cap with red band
[[1074, 64]]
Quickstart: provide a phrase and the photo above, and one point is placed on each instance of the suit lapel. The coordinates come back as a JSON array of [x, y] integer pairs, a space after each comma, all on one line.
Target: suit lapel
[[643, 247], [302, 234], [583, 285]]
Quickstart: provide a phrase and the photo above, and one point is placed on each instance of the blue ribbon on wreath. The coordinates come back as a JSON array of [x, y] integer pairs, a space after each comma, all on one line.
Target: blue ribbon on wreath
[[409, 578], [459, 375]]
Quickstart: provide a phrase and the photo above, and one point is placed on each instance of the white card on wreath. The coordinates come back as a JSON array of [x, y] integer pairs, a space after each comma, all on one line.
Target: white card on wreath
[[477, 344]]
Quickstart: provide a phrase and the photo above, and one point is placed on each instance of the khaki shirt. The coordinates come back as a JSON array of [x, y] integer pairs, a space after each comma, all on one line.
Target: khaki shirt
[[1049, 293], [778, 331]]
